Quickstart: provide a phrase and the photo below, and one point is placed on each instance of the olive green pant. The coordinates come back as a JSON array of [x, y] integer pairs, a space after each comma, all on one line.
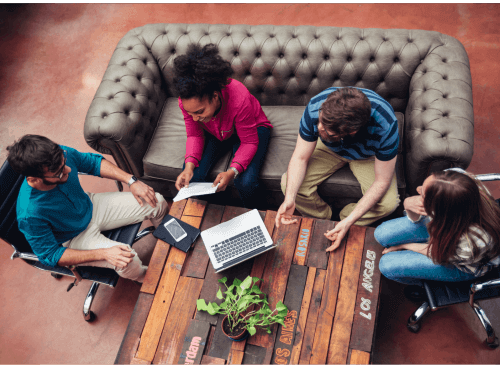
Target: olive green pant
[[322, 164]]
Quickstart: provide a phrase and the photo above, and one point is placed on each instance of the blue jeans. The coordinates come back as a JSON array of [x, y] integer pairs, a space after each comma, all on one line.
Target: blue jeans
[[247, 182], [406, 266]]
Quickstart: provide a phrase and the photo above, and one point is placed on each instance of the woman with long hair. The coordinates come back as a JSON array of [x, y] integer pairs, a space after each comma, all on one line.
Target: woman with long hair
[[451, 232], [220, 114]]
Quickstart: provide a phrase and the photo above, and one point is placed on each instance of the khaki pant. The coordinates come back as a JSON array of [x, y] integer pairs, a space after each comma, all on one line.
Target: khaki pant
[[322, 164], [111, 211]]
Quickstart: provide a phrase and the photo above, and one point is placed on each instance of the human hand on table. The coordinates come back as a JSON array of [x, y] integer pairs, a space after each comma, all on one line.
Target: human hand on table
[[223, 179], [285, 213], [337, 234]]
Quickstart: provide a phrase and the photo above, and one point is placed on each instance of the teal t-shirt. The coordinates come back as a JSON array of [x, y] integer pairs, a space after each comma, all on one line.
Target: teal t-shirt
[[50, 218]]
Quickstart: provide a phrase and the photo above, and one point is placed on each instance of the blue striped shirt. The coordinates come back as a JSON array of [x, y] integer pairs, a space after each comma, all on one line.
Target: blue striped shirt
[[380, 138]]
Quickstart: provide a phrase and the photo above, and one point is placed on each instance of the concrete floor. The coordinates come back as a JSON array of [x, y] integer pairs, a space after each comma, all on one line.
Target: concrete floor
[[51, 62]]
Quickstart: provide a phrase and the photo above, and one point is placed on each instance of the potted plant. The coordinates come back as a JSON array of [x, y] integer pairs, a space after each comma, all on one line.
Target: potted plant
[[244, 309]]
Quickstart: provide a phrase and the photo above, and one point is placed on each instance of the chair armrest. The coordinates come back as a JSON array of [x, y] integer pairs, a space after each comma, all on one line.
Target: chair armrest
[[124, 112], [439, 133], [482, 286]]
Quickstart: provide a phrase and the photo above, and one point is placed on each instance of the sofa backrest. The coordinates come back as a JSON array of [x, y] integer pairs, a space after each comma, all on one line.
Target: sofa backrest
[[288, 65], [423, 74]]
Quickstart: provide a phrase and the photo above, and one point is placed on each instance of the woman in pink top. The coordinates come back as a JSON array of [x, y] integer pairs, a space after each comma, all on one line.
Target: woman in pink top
[[220, 114]]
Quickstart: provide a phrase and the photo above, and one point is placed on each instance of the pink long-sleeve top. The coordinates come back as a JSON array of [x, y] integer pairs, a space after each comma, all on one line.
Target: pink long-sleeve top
[[240, 110]]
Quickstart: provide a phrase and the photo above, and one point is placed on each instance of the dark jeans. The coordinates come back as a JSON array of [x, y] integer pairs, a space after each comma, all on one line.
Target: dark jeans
[[246, 182]]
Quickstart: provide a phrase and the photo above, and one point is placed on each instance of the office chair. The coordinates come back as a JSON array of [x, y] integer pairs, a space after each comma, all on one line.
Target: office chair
[[10, 184], [443, 294]]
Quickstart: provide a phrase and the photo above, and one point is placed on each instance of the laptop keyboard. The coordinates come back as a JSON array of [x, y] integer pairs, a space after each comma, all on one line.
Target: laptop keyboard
[[239, 244]]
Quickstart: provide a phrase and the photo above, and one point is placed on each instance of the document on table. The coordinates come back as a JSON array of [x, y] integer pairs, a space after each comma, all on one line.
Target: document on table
[[195, 189]]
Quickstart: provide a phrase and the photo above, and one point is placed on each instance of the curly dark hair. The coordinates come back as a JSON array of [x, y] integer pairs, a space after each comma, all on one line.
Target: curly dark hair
[[201, 72], [32, 153]]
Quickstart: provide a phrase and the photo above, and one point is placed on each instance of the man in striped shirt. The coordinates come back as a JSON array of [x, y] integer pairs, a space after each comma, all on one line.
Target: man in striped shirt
[[357, 127]]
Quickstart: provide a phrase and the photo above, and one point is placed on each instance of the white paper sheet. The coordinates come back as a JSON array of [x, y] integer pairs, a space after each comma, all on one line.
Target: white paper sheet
[[195, 189]]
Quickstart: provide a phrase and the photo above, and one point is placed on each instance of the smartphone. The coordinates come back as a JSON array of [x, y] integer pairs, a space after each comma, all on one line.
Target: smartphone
[[175, 230]]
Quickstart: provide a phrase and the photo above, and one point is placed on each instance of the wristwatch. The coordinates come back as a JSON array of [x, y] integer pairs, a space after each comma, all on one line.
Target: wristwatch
[[132, 180], [235, 172]]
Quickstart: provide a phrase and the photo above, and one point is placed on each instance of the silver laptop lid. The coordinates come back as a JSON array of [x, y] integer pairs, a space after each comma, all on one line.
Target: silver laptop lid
[[230, 228]]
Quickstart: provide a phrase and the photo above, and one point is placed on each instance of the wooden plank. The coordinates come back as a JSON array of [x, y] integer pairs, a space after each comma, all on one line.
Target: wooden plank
[[304, 310], [344, 314], [195, 341], [155, 267], [312, 317], [162, 300], [328, 304], [178, 320], [211, 284], [254, 354], [317, 256], [259, 264], [160, 253], [302, 247], [137, 361], [197, 263], [275, 279], [210, 337], [359, 357], [194, 207], [235, 357], [363, 326], [133, 333], [208, 360], [293, 300]]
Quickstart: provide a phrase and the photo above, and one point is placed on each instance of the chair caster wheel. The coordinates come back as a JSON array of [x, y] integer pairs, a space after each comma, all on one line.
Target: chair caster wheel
[[91, 317], [55, 275], [413, 328], [494, 344]]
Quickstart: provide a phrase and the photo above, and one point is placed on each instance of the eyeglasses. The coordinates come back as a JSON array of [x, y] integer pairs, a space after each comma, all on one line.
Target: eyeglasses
[[60, 173]]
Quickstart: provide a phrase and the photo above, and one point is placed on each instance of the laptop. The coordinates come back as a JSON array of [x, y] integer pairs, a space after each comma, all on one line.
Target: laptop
[[236, 240]]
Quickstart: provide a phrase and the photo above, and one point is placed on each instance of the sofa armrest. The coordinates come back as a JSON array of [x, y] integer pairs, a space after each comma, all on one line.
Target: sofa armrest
[[124, 112], [440, 120]]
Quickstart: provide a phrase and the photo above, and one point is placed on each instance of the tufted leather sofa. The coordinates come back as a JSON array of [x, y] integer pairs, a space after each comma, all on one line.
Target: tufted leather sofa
[[424, 75]]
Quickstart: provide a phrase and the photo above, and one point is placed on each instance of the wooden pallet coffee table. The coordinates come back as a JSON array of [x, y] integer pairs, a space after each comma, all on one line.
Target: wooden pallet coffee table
[[332, 297]]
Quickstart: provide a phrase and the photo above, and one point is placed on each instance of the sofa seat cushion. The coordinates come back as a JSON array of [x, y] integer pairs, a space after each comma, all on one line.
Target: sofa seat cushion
[[165, 156]]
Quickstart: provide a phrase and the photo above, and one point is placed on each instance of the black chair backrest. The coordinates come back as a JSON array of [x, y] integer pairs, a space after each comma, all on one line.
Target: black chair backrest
[[10, 183]]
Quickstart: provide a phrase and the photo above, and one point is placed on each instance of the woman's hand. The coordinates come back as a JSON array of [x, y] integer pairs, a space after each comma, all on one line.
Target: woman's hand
[[223, 179], [421, 248], [393, 249], [185, 176], [415, 205]]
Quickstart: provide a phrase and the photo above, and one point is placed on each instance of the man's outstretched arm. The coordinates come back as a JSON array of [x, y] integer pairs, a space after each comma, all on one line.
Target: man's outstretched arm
[[119, 256], [138, 189], [295, 176], [384, 171]]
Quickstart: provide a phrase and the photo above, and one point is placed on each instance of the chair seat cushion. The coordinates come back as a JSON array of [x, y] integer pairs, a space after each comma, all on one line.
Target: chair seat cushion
[[442, 294]]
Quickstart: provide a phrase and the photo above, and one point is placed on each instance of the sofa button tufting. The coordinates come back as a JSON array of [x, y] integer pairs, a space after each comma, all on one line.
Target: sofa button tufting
[[304, 56], [372, 59], [129, 48], [258, 55], [349, 58], [281, 56], [172, 51], [396, 59], [445, 77], [444, 60], [117, 80], [236, 53], [326, 57]]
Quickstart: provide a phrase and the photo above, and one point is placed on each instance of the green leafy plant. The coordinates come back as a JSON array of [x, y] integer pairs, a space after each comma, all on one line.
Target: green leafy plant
[[239, 299]]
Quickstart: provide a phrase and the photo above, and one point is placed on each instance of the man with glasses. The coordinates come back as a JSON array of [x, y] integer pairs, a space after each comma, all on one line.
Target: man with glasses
[[62, 223], [357, 127]]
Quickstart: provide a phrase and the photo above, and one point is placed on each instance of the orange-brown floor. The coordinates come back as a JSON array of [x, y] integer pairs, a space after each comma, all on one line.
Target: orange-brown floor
[[52, 59]]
